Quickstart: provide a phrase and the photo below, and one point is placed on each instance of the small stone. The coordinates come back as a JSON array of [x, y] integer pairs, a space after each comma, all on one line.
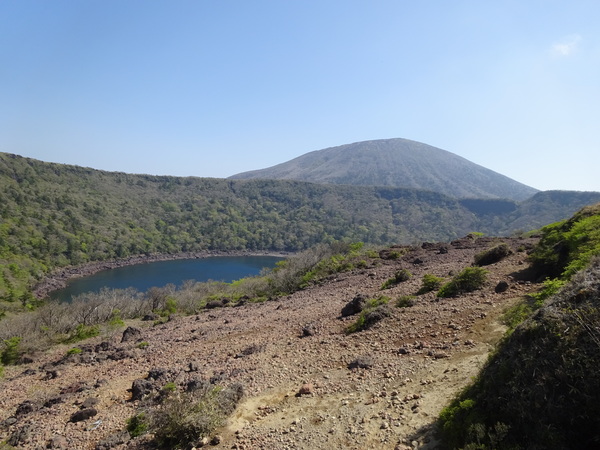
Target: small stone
[[306, 389], [362, 362], [216, 440], [309, 330], [89, 402], [10, 421], [59, 442]]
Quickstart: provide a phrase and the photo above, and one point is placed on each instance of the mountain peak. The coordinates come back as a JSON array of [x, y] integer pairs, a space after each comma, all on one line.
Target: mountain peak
[[400, 163]]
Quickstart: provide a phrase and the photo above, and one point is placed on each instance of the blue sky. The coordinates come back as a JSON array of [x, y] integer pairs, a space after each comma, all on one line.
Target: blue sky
[[213, 88]]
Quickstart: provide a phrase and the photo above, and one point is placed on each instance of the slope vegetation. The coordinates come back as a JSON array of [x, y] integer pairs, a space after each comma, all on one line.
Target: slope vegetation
[[398, 163], [540, 389], [54, 215]]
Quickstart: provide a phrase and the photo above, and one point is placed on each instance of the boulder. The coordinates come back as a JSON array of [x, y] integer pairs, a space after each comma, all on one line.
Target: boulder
[[140, 388], [355, 306], [83, 414], [502, 286], [130, 334]]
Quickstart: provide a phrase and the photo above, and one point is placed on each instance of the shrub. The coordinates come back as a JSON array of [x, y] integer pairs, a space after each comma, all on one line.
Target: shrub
[[310, 266], [137, 425], [540, 387], [550, 287], [406, 301], [492, 255], [11, 352], [82, 332], [74, 351], [375, 310], [168, 388], [142, 345], [468, 280], [568, 246], [399, 277], [430, 283], [190, 416], [516, 314], [115, 319], [394, 254]]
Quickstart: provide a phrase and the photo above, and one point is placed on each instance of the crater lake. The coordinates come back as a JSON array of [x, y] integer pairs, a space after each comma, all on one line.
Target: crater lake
[[160, 273]]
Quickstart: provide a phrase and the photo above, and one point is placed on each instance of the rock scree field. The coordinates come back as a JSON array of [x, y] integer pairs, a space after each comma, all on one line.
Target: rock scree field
[[307, 382]]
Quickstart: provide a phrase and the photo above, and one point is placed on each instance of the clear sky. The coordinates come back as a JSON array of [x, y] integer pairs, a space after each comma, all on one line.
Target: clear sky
[[215, 87]]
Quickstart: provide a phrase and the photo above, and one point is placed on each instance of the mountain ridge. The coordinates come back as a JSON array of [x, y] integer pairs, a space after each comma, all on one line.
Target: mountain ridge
[[396, 162]]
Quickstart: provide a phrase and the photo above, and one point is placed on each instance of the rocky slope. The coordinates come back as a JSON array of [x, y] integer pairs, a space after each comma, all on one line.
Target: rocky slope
[[308, 384]]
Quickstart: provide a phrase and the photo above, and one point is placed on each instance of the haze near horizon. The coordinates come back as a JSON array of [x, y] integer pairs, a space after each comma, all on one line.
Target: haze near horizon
[[213, 89]]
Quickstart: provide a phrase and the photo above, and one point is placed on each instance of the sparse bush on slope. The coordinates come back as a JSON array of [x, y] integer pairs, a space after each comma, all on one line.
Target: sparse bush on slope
[[492, 255], [430, 283], [540, 390], [468, 280], [187, 417], [566, 247]]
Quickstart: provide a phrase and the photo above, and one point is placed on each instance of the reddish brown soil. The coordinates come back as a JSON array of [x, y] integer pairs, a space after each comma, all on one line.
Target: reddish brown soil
[[391, 405]]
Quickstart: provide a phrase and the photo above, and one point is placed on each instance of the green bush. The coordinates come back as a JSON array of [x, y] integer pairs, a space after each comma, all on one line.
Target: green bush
[[169, 387], [468, 280], [550, 287], [539, 389], [375, 310], [116, 319], [399, 277], [11, 352], [567, 247], [516, 314], [430, 283], [406, 301], [82, 332], [492, 255], [137, 425], [74, 351]]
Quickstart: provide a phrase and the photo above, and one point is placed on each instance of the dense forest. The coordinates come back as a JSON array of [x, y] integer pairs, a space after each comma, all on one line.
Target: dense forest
[[54, 215]]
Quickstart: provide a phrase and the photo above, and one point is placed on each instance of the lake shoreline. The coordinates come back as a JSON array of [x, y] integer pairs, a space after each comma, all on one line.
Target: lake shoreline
[[60, 277]]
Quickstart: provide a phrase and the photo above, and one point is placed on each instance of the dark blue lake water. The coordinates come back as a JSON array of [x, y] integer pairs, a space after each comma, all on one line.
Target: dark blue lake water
[[157, 274]]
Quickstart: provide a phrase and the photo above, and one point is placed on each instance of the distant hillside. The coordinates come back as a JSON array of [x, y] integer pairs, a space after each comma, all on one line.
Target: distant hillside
[[505, 217], [54, 215], [398, 163]]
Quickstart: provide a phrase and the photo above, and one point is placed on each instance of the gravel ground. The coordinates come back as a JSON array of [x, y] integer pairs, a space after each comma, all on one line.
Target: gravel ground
[[292, 357]]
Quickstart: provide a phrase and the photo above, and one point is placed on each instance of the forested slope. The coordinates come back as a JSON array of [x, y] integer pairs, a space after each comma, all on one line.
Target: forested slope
[[54, 215]]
